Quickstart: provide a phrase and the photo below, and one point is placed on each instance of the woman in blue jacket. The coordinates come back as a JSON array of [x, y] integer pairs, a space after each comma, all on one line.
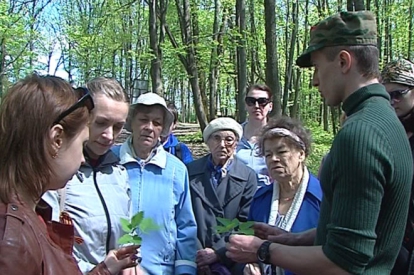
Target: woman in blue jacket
[[160, 188], [292, 201], [99, 196]]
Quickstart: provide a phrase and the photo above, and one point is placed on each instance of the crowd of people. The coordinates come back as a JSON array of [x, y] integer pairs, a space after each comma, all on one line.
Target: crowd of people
[[66, 188]]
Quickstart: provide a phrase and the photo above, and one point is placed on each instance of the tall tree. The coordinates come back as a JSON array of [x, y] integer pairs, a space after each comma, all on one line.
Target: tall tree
[[241, 59], [272, 69]]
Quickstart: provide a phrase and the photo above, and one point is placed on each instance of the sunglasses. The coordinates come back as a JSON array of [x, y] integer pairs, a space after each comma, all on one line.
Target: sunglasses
[[251, 101], [85, 100], [398, 94]]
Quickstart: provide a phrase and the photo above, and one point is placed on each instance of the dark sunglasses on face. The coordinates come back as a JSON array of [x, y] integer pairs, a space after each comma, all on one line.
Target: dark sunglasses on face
[[251, 101], [85, 100], [398, 94]]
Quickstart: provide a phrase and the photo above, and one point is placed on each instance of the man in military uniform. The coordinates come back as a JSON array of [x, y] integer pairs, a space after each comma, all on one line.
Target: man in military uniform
[[366, 178]]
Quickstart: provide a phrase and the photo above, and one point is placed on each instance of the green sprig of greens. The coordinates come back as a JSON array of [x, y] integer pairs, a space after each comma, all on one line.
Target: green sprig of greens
[[134, 228], [234, 226]]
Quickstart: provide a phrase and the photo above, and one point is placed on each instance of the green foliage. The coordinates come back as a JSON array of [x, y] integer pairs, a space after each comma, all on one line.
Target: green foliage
[[322, 142], [192, 138], [134, 228], [234, 226]]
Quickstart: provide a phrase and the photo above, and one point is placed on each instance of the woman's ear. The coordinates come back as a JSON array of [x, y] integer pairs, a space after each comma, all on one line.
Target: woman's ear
[[302, 156], [56, 138]]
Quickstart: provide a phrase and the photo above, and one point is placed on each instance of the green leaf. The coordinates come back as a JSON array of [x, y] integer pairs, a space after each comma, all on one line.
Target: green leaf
[[137, 239], [248, 231], [220, 229], [224, 221], [126, 239], [246, 225], [137, 219], [234, 223], [147, 225], [126, 226]]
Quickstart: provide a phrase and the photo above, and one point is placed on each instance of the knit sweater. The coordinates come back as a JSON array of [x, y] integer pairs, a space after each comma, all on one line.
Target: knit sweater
[[366, 181]]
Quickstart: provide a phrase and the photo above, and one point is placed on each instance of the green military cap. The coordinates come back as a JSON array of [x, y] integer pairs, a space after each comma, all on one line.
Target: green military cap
[[342, 29], [399, 71]]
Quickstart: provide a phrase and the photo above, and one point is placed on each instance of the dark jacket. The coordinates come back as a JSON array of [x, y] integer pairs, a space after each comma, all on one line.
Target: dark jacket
[[29, 246], [230, 200]]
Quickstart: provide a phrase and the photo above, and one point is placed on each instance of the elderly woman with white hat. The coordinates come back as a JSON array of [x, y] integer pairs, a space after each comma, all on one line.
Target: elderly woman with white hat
[[160, 188], [221, 186]]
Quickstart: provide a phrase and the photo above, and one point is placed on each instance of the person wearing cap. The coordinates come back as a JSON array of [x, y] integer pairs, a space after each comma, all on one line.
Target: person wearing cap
[[398, 79], [160, 188], [221, 186], [366, 178]]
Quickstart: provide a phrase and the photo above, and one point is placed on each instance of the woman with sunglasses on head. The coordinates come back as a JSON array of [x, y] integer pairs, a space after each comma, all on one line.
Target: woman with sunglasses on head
[[258, 104], [98, 197], [44, 123], [398, 79]]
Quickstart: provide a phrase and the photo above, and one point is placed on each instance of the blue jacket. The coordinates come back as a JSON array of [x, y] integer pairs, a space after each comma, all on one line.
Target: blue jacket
[[170, 146], [308, 215], [160, 188], [96, 200]]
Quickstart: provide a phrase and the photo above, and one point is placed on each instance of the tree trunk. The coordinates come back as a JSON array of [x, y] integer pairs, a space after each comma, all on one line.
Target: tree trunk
[[272, 70], [155, 50], [289, 68], [189, 60], [355, 5], [241, 59], [410, 31]]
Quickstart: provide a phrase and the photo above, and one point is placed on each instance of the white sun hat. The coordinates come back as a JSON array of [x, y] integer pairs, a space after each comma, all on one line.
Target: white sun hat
[[152, 99]]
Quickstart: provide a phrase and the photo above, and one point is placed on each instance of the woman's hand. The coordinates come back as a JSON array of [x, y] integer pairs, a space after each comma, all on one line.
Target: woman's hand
[[137, 270], [251, 269], [121, 258], [206, 256]]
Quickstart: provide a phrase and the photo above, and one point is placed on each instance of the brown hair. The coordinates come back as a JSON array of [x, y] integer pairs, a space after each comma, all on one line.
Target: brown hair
[[366, 56], [27, 113], [173, 110], [109, 87], [261, 87], [293, 125]]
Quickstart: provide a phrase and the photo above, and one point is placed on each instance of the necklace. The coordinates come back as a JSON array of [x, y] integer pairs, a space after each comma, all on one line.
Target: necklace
[[287, 199]]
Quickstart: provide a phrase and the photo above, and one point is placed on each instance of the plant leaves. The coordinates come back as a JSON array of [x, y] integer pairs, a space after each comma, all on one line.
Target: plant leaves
[[137, 239], [220, 229], [224, 221], [125, 239], [126, 226], [137, 219], [246, 225], [248, 231], [147, 225]]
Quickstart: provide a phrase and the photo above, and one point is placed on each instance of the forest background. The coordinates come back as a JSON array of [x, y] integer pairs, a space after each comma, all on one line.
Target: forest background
[[200, 54]]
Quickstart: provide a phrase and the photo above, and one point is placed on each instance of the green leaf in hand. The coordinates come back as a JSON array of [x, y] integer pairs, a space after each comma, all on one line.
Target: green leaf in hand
[[126, 226], [136, 219], [128, 239], [148, 225], [144, 225]]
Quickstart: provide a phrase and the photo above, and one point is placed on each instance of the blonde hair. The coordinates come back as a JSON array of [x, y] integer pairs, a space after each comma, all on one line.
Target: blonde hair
[[109, 87]]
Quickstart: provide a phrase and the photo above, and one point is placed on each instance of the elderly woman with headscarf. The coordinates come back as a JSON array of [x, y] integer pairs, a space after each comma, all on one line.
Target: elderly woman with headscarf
[[292, 201], [221, 186]]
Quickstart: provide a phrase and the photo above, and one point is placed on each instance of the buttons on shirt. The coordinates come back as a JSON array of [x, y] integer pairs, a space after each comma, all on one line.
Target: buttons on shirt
[[14, 207]]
